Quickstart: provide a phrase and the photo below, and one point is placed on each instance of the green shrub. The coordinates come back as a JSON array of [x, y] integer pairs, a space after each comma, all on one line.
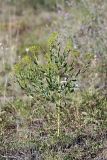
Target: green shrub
[[50, 79]]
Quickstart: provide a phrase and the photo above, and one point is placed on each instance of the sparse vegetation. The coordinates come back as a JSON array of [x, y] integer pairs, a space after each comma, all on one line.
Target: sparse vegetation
[[53, 89]]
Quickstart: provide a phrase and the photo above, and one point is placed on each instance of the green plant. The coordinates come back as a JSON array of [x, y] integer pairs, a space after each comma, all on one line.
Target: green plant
[[44, 3], [53, 78]]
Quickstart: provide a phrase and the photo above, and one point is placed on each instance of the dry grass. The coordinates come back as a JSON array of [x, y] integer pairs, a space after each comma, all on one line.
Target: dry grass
[[26, 129]]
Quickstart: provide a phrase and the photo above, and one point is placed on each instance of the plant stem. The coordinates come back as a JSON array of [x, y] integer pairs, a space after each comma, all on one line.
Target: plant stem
[[58, 111], [58, 122]]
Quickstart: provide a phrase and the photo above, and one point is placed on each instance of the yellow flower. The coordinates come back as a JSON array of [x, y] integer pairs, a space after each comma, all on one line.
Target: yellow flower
[[52, 39], [24, 61], [35, 49]]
